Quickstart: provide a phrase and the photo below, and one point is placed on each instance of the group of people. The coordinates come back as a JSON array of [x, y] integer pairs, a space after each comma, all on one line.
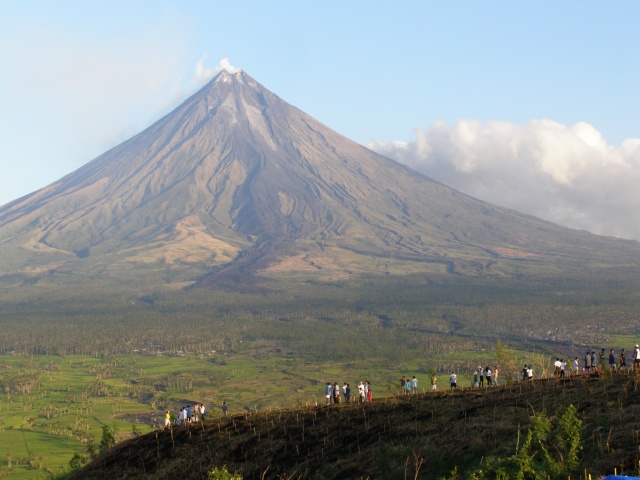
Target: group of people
[[480, 376], [485, 374], [527, 373], [408, 386], [597, 362], [187, 414], [335, 394], [332, 392]]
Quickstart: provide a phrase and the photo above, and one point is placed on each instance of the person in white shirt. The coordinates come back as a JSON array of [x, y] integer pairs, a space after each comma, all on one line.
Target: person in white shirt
[[453, 379], [556, 367], [414, 385], [180, 420]]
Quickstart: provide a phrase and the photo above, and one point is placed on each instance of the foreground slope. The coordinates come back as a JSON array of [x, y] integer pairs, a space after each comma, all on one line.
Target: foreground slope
[[382, 439], [236, 184]]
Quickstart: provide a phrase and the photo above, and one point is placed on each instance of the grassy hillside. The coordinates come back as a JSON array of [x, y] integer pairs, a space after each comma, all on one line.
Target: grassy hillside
[[421, 436], [105, 354]]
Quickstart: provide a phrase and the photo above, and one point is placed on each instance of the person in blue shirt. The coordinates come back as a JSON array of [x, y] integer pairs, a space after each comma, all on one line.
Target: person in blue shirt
[[328, 389], [612, 361]]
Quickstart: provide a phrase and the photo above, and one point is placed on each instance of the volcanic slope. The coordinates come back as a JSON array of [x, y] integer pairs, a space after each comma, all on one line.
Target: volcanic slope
[[236, 184]]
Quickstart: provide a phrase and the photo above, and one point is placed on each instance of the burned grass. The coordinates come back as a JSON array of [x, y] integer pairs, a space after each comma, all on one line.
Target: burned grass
[[424, 435]]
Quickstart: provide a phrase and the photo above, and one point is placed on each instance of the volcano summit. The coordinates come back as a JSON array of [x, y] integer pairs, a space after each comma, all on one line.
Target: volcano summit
[[235, 185]]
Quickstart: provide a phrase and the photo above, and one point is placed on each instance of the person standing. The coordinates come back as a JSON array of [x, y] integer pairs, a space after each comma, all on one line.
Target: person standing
[[327, 392], [587, 362], [336, 393], [180, 420], [481, 376], [434, 382], [487, 374], [563, 366], [495, 375], [367, 388], [224, 409], [612, 361], [403, 383], [525, 372], [636, 357], [344, 392], [167, 420], [475, 383], [414, 385], [594, 361], [361, 392], [453, 380], [576, 366], [623, 359]]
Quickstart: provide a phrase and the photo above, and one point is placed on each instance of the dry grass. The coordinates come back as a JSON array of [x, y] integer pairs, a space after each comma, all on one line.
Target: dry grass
[[383, 439]]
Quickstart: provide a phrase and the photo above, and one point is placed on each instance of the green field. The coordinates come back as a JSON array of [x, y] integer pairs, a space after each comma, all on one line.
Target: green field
[[53, 405], [77, 360]]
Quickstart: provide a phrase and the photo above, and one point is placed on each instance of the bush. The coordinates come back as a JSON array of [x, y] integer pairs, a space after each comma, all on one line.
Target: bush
[[223, 474], [550, 449]]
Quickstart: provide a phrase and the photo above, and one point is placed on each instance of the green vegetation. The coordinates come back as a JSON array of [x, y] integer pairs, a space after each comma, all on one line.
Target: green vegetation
[[53, 407], [533, 430], [432, 315], [58, 411], [223, 474], [108, 359], [550, 449]]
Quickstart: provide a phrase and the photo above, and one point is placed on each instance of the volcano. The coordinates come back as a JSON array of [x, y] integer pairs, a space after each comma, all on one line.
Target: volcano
[[237, 185]]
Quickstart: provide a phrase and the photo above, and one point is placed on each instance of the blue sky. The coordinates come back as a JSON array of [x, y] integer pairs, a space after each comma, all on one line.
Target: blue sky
[[531, 105]]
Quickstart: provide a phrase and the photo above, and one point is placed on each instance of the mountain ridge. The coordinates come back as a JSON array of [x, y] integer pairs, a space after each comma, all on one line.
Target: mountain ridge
[[243, 185]]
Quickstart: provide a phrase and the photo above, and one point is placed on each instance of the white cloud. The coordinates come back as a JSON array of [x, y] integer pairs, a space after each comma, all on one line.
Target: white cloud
[[225, 65], [203, 74], [565, 174]]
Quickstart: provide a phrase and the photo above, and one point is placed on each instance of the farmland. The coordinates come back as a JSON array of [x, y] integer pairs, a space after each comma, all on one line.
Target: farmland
[[52, 406], [75, 361]]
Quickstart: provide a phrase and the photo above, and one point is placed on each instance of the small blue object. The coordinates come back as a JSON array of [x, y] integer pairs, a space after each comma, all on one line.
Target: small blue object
[[620, 477]]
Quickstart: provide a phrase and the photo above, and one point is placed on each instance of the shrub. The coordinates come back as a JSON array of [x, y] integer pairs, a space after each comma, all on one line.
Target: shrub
[[223, 474]]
